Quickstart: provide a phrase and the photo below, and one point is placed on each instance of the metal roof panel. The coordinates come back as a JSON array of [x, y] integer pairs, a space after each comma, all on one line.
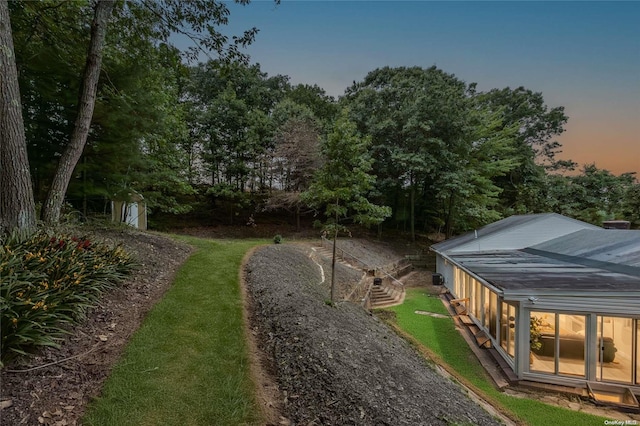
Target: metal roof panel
[[606, 245], [518, 270], [512, 233]]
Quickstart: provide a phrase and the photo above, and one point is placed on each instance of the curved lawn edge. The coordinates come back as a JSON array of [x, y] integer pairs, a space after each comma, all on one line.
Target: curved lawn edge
[[189, 362], [444, 346], [267, 394]]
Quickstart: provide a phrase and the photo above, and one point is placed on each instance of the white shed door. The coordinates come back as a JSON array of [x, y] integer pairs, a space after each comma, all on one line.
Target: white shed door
[[130, 214]]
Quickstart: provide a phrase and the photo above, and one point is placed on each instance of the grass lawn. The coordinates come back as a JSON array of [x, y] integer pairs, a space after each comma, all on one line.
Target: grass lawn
[[188, 364], [443, 341]]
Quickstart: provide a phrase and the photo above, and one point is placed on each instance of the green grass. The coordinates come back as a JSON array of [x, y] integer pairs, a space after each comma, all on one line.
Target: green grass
[[443, 341], [188, 363]]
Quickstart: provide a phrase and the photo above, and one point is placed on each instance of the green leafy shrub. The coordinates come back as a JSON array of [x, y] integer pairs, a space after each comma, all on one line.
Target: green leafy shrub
[[47, 282], [277, 239]]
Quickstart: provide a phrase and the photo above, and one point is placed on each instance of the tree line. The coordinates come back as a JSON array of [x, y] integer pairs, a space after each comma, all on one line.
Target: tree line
[[96, 102]]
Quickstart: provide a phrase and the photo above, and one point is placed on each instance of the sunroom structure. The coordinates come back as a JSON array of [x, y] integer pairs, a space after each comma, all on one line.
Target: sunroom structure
[[559, 298]]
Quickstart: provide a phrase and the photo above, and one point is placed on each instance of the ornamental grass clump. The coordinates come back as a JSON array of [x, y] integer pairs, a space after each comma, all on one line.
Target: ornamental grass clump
[[49, 282]]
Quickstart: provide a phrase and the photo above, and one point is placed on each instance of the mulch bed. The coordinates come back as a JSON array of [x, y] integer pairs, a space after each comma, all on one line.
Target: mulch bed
[[54, 387]]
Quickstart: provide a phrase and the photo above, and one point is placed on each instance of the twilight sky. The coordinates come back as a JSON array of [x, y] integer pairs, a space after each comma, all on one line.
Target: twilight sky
[[583, 55]]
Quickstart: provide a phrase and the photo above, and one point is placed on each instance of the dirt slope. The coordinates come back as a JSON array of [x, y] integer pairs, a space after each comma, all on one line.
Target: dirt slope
[[54, 387], [340, 365]]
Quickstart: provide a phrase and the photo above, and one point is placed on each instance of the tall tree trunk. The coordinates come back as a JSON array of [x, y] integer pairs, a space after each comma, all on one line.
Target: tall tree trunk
[[17, 208], [333, 257], [448, 223], [86, 104], [412, 191]]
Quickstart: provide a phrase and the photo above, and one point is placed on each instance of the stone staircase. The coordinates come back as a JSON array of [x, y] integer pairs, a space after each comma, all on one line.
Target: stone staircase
[[382, 296], [327, 253]]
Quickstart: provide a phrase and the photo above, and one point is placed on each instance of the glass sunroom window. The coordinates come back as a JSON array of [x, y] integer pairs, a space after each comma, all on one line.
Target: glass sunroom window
[[615, 344], [477, 299], [493, 320], [557, 343], [508, 329], [486, 308]]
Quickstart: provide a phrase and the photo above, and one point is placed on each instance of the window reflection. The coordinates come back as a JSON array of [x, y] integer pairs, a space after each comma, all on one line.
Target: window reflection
[[557, 343], [508, 329], [571, 340], [493, 322], [486, 307], [542, 342], [614, 349]]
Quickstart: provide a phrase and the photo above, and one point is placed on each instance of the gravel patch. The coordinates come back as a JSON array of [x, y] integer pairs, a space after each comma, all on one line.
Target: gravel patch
[[339, 365]]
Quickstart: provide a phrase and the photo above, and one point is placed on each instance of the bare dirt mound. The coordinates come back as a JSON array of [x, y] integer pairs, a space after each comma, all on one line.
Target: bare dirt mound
[[339, 365]]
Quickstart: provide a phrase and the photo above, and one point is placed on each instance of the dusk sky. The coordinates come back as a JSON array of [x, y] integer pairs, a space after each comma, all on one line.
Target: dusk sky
[[584, 56]]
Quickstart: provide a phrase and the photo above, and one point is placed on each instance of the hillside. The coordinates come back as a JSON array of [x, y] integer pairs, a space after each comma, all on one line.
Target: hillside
[[332, 365], [339, 365]]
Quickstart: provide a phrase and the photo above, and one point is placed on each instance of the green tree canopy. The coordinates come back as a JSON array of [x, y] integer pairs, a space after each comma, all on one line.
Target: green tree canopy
[[534, 144], [437, 146], [593, 195], [341, 187], [40, 27]]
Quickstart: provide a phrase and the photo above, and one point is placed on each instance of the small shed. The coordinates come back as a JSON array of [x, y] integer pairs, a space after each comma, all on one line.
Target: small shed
[[129, 207]]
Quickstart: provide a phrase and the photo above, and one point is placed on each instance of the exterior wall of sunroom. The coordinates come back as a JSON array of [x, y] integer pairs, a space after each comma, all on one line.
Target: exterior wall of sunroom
[[485, 306], [583, 337]]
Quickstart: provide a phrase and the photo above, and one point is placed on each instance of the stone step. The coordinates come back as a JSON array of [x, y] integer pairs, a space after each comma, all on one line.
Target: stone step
[[382, 305], [383, 301], [383, 296], [328, 254], [379, 298]]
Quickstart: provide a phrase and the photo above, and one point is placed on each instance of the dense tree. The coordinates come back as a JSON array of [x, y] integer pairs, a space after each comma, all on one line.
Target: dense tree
[[432, 139], [137, 127], [323, 106], [253, 138], [465, 191], [534, 146], [414, 117], [443, 155], [295, 156], [137, 119], [49, 78], [230, 108], [232, 104], [631, 205], [55, 197], [341, 187], [295, 145], [158, 20], [593, 195]]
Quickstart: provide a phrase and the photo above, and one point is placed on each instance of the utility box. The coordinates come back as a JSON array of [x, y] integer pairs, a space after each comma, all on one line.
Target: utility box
[[437, 279], [616, 224]]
